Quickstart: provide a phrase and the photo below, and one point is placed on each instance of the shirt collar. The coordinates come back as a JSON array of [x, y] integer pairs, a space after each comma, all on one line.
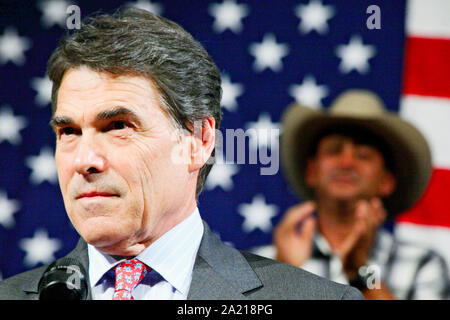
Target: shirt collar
[[172, 255], [322, 247]]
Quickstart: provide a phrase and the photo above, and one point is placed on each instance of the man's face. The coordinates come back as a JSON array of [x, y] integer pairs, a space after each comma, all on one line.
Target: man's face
[[343, 170], [114, 156]]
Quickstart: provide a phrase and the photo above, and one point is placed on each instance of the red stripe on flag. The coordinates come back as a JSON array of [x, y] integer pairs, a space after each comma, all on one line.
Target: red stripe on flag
[[433, 208], [427, 67]]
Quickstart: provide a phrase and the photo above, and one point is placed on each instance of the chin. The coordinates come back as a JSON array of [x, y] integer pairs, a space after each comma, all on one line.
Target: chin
[[115, 244], [344, 193], [102, 231]]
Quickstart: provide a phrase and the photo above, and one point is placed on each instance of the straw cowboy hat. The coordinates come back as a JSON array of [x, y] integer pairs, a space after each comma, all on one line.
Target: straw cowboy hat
[[409, 150]]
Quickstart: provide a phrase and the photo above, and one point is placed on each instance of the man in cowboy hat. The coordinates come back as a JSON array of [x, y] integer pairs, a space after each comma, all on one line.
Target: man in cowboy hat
[[358, 165]]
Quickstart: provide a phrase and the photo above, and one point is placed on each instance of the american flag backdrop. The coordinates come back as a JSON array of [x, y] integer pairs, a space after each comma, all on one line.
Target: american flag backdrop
[[270, 53]]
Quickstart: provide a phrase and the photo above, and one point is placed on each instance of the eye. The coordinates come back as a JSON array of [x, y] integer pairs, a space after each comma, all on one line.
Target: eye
[[365, 153], [66, 131], [333, 148], [117, 125]]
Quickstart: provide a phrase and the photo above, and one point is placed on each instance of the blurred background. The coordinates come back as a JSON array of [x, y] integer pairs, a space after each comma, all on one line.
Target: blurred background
[[271, 54]]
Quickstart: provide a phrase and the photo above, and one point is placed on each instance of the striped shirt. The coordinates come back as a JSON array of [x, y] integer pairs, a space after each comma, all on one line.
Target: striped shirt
[[411, 272], [171, 259]]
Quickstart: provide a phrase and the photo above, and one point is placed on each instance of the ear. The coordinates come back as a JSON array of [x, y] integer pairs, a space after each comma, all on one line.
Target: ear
[[311, 173], [387, 185], [202, 143]]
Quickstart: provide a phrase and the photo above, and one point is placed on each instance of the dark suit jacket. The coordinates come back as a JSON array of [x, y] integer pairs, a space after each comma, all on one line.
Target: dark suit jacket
[[220, 272]]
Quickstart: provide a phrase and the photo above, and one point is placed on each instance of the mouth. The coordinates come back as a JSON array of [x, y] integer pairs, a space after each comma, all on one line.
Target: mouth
[[94, 194], [345, 178]]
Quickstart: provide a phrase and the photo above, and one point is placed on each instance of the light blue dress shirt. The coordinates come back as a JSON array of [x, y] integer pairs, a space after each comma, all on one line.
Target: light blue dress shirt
[[171, 258]]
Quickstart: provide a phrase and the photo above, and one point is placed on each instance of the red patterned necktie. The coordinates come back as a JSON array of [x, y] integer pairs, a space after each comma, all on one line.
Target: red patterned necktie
[[128, 275]]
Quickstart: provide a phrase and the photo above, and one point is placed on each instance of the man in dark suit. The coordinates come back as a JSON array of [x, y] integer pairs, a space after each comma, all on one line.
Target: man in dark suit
[[136, 102]]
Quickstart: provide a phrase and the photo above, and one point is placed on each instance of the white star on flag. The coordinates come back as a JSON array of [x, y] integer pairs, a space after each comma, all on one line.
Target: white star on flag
[[220, 176], [7, 209], [54, 12], [228, 15], [13, 47], [230, 92], [314, 16], [40, 248], [355, 55], [150, 6], [268, 53], [43, 167], [43, 87], [309, 93], [257, 215], [263, 133], [10, 126]]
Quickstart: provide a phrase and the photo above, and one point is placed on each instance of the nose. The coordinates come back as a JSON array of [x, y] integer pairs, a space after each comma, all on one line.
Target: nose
[[347, 156], [88, 158]]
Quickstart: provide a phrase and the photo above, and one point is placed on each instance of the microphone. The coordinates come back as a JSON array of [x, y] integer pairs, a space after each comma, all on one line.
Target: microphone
[[64, 279]]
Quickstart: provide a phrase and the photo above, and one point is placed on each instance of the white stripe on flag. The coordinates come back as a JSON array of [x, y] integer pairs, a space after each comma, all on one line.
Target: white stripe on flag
[[428, 18], [431, 116]]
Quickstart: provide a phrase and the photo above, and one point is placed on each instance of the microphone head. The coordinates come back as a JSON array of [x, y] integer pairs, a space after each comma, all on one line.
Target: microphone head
[[64, 279]]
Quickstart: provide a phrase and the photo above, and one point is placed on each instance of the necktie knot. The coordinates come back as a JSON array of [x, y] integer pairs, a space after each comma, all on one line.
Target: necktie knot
[[128, 275]]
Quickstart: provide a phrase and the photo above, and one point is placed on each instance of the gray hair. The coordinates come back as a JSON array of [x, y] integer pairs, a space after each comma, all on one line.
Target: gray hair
[[137, 42]]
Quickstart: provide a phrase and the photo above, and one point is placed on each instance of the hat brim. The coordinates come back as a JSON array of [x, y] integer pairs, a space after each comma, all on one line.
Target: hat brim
[[410, 152]]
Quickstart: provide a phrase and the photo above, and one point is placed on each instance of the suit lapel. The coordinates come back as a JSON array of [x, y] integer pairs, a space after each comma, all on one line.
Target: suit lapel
[[207, 284], [80, 253], [220, 272]]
